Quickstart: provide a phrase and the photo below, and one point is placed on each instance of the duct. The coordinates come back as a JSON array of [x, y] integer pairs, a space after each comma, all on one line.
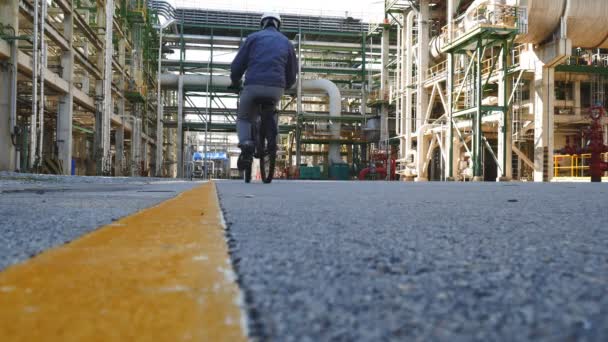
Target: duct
[[435, 46], [586, 23], [543, 19], [326, 86]]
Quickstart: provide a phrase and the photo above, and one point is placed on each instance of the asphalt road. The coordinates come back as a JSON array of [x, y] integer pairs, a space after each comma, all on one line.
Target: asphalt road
[[346, 261], [39, 212]]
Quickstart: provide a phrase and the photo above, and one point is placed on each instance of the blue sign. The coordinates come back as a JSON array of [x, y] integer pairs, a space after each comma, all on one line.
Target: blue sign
[[216, 155]]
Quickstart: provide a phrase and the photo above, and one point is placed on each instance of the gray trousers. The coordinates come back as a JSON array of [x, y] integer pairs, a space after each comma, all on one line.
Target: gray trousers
[[249, 108]]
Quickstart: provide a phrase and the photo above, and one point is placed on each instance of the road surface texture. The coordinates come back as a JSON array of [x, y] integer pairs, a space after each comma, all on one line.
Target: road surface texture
[[39, 212], [375, 261]]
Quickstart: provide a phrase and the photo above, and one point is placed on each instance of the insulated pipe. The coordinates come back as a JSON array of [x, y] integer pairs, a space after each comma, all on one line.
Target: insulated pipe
[[43, 64], [332, 91], [33, 117], [335, 109], [409, 60], [171, 81], [586, 25]]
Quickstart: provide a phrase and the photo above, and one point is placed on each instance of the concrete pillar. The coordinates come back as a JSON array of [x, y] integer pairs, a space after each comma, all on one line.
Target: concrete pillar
[[180, 131], [108, 105], [9, 15], [421, 156], [544, 102], [66, 103], [422, 99]]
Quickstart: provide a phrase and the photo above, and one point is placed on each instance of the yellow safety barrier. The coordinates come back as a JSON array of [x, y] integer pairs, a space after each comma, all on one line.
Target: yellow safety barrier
[[573, 166]]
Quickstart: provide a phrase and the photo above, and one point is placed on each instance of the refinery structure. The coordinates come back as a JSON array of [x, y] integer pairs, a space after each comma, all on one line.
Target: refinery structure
[[462, 90]]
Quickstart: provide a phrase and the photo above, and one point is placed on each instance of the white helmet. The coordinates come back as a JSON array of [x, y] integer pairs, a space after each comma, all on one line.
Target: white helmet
[[271, 15]]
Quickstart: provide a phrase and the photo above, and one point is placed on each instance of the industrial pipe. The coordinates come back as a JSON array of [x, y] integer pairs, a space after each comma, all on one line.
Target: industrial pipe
[[335, 109], [33, 117]]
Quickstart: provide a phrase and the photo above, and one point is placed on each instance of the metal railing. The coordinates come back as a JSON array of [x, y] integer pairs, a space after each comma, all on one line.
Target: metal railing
[[437, 71], [573, 166], [486, 15]]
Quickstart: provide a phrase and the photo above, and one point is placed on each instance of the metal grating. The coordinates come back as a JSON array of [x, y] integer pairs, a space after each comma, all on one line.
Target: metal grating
[[251, 20]]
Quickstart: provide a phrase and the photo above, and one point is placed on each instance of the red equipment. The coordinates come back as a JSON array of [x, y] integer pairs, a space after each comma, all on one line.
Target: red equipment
[[379, 162], [595, 145]]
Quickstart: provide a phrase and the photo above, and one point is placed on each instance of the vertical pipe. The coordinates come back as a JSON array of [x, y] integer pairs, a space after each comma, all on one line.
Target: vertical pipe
[[363, 71], [13, 85], [422, 101], [478, 171], [408, 83], [403, 50], [450, 89], [159, 110], [506, 121], [180, 133], [384, 130], [33, 117], [43, 64], [299, 104], [210, 103]]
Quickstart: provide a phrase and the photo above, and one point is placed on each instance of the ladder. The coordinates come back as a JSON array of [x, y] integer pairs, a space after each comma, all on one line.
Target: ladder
[[517, 122]]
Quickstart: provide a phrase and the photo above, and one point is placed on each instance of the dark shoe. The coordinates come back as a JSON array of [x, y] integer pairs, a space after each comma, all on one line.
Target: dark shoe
[[246, 157], [244, 161]]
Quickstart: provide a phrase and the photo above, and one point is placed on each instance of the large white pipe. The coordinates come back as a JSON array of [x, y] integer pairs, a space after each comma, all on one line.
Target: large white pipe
[[586, 24], [335, 109], [326, 86], [171, 81]]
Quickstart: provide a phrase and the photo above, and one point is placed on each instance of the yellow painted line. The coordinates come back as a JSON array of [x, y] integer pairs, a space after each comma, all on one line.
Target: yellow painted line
[[162, 274]]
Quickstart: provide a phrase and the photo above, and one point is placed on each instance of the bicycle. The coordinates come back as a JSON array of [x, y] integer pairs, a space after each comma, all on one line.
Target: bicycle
[[264, 130]]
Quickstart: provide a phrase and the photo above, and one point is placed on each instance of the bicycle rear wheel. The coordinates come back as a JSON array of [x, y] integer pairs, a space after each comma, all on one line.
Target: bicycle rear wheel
[[267, 165]]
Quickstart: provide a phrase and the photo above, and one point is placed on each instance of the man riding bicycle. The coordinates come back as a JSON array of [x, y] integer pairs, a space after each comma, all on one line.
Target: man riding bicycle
[[270, 61]]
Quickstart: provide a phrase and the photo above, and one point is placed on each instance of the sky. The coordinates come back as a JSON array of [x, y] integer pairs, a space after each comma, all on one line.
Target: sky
[[366, 9]]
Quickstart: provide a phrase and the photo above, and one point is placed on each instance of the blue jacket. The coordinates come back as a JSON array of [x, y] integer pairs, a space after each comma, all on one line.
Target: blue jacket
[[269, 59]]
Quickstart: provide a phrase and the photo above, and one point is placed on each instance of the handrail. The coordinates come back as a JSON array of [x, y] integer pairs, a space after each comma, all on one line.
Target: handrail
[[485, 15], [576, 165]]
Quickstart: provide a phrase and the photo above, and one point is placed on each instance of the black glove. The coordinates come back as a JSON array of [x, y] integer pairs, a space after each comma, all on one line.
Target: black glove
[[235, 87]]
